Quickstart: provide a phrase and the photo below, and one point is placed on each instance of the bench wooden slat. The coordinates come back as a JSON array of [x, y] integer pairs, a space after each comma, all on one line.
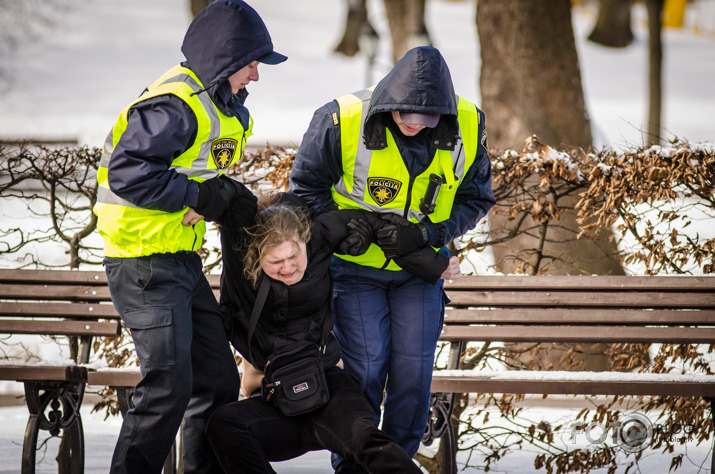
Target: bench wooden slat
[[475, 384], [589, 283], [478, 298], [578, 316], [617, 334], [22, 373], [114, 378], [66, 277], [59, 309], [53, 276], [61, 328], [54, 292]]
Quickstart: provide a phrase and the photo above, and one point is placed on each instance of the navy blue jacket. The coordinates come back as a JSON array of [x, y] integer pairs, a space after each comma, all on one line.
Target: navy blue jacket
[[222, 39], [420, 83]]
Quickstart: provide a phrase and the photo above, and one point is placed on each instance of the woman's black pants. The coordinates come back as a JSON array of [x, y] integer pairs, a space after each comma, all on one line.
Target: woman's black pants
[[248, 434]]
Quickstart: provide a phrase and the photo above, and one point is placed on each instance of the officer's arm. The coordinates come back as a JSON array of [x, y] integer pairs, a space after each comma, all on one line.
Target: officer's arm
[[424, 263], [158, 130], [318, 163]]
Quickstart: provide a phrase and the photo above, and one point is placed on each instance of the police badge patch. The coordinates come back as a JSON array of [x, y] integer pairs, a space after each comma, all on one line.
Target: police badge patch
[[383, 190], [222, 151]]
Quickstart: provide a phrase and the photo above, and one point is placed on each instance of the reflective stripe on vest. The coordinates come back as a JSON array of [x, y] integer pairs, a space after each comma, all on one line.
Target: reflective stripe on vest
[[378, 180], [132, 231]]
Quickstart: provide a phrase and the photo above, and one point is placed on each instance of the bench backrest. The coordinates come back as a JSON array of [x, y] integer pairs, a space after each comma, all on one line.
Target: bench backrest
[[59, 303], [482, 308], [581, 309], [55, 302]]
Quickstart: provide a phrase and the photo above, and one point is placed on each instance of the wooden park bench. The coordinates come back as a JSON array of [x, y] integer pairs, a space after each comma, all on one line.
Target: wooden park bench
[[569, 309], [71, 304]]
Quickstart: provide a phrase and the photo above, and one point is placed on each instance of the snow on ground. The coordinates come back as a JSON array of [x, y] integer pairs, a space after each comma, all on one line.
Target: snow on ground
[[100, 437], [101, 434]]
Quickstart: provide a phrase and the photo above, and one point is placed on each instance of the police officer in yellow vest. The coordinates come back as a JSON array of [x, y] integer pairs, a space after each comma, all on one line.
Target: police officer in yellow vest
[[414, 151], [160, 179]]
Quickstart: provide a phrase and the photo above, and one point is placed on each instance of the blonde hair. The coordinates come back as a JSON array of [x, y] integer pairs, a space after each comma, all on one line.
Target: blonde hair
[[276, 222]]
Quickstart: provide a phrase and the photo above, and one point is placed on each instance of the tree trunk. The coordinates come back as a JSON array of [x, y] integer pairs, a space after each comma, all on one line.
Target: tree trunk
[[613, 27], [355, 25], [530, 78], [407, 25], [531, 85], [655, 69]]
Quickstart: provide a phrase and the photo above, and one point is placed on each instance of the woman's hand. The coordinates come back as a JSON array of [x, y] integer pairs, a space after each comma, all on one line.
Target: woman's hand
[[452, 272], [251, 379], [191, 217]]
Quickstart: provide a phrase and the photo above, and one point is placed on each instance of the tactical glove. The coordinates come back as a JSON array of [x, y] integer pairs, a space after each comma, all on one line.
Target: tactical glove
[[358, 240], [214, 198], [242, 209], [401, 236], [240, 213]]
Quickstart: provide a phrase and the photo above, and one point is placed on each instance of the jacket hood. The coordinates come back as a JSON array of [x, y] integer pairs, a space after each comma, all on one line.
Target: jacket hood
[[419, 83], [224, 37]]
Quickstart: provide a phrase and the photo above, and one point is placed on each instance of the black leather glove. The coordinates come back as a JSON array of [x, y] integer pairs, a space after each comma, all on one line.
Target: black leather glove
[[358, 240], [242, 209], [239, 188], [401, 236], [215, 195], [240, 213]]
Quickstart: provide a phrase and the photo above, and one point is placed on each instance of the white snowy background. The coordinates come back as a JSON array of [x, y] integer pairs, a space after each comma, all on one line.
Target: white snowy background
[[69, 79]]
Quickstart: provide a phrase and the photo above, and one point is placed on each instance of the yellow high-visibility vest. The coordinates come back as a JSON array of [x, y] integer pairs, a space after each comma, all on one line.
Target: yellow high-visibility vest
[[132, 231], [379, 181]]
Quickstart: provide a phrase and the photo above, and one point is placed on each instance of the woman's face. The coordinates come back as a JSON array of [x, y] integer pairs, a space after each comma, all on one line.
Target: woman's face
[[286, 262]]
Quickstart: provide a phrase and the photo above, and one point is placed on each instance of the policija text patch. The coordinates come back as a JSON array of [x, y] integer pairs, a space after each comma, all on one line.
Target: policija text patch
[[383, 190], [222, 151]]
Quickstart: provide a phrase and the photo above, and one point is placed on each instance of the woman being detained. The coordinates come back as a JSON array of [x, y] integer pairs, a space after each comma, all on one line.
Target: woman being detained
[[294, 255]]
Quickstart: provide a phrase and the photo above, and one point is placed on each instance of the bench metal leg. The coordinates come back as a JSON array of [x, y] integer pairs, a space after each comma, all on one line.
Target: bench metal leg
[[449, 450], [54, 407], [439, 421], [712, 419], [439, 425], [29, 445], [440, 413], [125, 398]]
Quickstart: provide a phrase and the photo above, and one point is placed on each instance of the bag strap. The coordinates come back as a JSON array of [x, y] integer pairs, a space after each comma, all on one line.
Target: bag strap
[[260, 301], [258, 307], [328, 322]]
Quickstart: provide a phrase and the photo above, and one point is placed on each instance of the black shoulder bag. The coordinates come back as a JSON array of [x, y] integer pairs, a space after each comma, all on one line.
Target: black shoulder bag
[[294, 377]]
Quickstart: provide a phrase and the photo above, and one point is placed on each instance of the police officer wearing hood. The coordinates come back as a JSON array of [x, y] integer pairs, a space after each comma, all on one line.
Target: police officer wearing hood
[[160, 178], [415, 152]]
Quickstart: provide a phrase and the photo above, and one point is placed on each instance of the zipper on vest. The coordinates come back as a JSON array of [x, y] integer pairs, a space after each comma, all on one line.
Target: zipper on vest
[[456, 162], [408, 201], [193, 227]]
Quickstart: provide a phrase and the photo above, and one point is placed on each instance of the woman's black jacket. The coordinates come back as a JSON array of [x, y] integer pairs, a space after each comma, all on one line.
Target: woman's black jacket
[[297, 312]]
